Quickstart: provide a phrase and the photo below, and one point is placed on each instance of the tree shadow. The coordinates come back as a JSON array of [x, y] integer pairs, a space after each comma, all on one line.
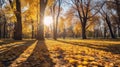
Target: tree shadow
[[14, 52], [40, 57], [113, 48], [4, 42], [114, 40]]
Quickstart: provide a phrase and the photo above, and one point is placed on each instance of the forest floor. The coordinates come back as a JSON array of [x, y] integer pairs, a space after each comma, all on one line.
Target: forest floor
[[60, 53]]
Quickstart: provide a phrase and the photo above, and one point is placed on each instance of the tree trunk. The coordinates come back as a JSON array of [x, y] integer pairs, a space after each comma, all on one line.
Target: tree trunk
[[84, 30], [0, 32], [105, 32], [4, 29], [109, 25], [118, 30], [40, 33], [18, 24], [54, 31], [32, 30], [118, 10], [41, 27], [118, 13], [64, 33], [53, 17], [57, 18]]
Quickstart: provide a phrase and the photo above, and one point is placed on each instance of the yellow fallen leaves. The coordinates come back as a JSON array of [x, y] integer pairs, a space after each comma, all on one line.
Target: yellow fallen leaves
[[78, 56], [72, 61], [94, 63], [73, 53], [24, 56], [84, 62], [91, 58], [81, 54]]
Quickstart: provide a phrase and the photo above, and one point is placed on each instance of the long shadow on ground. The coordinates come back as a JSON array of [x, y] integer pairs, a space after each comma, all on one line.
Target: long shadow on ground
[[40, 57], [14, 52], [3, 42], [113, 48]]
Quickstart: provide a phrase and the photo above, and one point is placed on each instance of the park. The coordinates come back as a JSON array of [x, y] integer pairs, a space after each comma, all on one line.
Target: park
[[59, 33]]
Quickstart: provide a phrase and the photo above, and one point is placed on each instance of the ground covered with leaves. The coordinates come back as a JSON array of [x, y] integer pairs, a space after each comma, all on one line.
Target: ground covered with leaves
[[60, 53]]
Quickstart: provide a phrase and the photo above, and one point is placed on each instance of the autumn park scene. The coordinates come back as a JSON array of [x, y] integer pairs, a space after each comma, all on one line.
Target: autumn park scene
[[59, 33]]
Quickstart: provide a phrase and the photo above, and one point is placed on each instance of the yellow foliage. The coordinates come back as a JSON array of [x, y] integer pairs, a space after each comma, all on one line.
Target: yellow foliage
[[77, 28], [50, 2]]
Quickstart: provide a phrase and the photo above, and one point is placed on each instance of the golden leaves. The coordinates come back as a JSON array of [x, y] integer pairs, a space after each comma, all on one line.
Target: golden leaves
[[66, 53], [79, 55]]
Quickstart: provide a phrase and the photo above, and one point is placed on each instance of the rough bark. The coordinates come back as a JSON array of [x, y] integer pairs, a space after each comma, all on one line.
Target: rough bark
[[0, 32], [118, 13], [109, 26], [4, 30], [18, 24], [32, 30], [105, 32], [55, 19], [84, 30], [40, 34]]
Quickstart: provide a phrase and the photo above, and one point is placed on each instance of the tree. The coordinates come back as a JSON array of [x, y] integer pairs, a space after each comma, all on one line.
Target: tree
[[40, 32], [18, 24], [115, 5], [84, 8], [104, 12], [57, 18], [3, 20], [55, 14]]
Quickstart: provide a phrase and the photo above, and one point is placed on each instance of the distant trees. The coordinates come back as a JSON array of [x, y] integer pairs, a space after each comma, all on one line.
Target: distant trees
[[108, 21], [55, 10], [18, 23], [84, 8], [115, 6], [81, 18], [110, 15], [3, 21]]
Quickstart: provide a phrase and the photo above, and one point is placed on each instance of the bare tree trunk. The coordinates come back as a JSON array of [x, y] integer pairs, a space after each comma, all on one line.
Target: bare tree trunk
[[53, 18], [4, 27], [18, 24], [105, 32], [109, 25], [57, 18], [118, 27], [64, 33], [118, 13], [55, 22], [118, 9], [3, 33], [0, 32], [84, 28], [32, 30], [4, 30], [40, 33]]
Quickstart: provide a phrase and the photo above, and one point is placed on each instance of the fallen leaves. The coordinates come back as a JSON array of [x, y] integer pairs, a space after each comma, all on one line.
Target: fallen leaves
[[66, 53], [85, 54]]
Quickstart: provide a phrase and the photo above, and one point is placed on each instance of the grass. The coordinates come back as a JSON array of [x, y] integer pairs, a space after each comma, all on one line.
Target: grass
[[68, 53]]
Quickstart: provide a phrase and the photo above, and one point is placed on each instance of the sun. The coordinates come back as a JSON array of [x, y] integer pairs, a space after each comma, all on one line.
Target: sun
[[48, 20]]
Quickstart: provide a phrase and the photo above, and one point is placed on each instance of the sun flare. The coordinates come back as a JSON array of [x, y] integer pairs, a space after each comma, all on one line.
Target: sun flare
[[48, 20]]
